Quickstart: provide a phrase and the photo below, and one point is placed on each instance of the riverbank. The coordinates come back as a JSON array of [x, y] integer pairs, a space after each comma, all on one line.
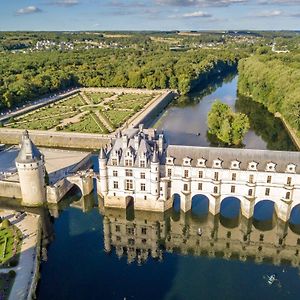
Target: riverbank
[[290, 130], [27, 270]]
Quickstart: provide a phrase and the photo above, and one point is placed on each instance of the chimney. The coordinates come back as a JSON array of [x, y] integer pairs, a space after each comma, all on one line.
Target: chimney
[[161, 143], [124, 141], [136, 142]]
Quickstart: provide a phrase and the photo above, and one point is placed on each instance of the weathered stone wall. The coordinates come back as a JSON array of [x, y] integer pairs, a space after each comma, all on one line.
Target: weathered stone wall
[[10, 189], [56, 139], [56, 193], [152, 109]]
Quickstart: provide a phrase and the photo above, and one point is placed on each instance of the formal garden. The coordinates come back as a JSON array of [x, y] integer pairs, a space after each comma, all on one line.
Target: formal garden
[[10, 246], [85, 112]]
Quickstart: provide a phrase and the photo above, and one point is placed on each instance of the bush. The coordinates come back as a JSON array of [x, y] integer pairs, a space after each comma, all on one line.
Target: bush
[[12, 274], [5, 223]]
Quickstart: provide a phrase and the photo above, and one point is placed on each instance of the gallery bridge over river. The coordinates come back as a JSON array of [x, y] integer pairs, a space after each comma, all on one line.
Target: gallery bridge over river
[[140, 168]]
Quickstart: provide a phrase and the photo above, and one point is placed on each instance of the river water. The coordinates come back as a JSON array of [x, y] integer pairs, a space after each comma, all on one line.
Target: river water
[[116, 254]]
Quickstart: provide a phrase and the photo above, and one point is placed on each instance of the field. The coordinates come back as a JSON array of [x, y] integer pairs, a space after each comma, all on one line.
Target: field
[[86, 112]]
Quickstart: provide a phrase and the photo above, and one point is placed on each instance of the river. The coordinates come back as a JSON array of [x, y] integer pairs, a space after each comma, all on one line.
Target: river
[[170, 259], [186, 118]]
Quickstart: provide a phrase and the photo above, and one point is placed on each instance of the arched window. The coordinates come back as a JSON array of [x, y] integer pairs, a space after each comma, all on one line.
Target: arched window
[[215, 189], [288, 195]]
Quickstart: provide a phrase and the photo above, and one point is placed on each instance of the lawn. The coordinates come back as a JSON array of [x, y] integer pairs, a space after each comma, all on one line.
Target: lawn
[[97, 98], [10, 244], [117, 117], [131, 101], [88, 124]]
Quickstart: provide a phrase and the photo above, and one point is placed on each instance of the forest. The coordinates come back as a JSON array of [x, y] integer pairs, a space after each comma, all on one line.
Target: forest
[[24, 77], [274, 81]]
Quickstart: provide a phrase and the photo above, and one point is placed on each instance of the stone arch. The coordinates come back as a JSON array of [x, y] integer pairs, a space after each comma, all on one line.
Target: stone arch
[[264, 209], [84, 183], [230, 207], [199, 205], [176, 202], [295, 215]]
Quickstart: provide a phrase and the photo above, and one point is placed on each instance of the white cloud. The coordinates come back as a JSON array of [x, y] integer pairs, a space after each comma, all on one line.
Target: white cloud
[[269, 13], [205, 3], [65, 2], [279, 2], [197, 14], [28, 10]]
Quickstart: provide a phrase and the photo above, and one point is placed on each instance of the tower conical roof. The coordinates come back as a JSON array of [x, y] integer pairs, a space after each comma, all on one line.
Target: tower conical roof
[[29, 152], [102, 153], [155, 157]]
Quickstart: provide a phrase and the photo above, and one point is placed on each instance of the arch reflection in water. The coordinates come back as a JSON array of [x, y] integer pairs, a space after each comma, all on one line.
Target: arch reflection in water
[[150, 234]]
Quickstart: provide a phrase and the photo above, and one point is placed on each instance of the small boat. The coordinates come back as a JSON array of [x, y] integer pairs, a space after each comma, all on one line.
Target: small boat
[[200, 231], [271, 279]]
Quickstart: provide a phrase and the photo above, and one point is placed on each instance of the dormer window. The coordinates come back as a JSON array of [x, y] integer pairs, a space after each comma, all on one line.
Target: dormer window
[[235, 164], [270, 167], [187, 161], [291, 168], [217, 163], [201, 162], [252, 166], [170, 160]]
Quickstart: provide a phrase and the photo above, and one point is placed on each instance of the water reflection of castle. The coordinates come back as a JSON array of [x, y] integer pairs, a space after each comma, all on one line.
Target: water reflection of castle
[[142, 234]]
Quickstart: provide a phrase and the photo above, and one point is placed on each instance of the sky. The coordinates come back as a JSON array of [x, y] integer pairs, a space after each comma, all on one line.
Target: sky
[[149, 14]]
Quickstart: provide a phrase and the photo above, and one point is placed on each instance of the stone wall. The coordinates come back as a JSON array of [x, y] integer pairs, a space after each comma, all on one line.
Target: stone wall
[[10, 189], [56, 139], [57, 192]]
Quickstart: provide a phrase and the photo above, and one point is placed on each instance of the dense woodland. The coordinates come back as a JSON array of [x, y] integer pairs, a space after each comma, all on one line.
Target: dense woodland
[[26, 76], [274, 81]]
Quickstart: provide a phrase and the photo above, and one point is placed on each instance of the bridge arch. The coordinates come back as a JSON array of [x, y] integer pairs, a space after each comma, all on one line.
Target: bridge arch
[[84, 182], [230, 207], [176, 202], [176, 207], [295, 215], [264, 209], [199, 205]]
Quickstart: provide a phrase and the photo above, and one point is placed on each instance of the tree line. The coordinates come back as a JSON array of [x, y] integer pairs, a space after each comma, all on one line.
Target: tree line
[[274, 81], [24, 77]]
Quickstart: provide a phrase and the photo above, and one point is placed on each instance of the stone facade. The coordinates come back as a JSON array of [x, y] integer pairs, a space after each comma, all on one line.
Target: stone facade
[[31, 169], [141, 168]]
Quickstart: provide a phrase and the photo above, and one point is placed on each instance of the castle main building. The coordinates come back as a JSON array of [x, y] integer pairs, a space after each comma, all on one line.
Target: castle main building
[[140, 168]]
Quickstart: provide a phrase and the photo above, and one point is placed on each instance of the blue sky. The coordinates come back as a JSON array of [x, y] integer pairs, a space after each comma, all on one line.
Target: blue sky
[[149, 14]]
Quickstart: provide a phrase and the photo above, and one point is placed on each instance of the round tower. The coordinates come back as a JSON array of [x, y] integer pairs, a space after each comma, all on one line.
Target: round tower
[[31, 169], [103, 172], [154, 176]]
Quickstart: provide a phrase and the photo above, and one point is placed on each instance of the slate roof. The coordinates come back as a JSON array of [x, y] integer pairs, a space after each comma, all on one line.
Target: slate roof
[[227, 155], [29, 152], [143, 151]]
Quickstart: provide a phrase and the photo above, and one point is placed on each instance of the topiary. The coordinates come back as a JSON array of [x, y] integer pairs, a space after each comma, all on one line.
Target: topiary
[[5, 223]]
